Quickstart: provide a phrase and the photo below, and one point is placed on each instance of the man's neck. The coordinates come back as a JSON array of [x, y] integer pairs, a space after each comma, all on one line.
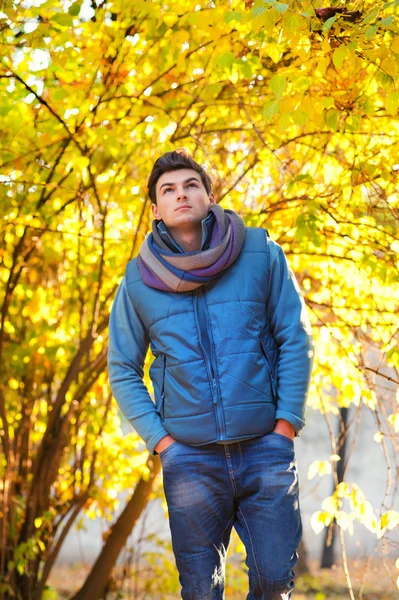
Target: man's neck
[[189, 240]]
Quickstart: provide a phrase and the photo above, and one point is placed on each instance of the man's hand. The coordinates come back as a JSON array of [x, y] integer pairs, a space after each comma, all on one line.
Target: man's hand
[[284, 428], [164, 443]]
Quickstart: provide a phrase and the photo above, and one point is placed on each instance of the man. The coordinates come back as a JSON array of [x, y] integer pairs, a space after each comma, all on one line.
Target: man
[[223, 315]]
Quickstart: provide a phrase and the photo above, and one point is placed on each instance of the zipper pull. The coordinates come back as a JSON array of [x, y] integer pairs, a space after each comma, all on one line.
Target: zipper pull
[[214, 390]]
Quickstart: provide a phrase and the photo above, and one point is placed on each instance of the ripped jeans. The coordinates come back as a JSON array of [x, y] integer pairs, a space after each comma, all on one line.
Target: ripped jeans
[[251, 485]]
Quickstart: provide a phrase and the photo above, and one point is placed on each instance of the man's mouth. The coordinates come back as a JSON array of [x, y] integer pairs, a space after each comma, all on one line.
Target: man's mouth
[[183, 206]]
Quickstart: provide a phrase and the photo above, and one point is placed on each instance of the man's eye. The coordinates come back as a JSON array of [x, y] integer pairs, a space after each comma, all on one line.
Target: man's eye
[[194, 184], [167, 189]]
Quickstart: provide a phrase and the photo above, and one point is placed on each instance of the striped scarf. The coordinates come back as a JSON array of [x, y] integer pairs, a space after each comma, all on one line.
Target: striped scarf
[[163, 269]]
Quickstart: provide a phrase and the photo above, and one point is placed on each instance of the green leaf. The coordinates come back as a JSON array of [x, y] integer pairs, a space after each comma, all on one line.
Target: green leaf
[[385, 80], [292, 22], [270, 109], [226, 60], [328, 24], [277, 84], [300, 117], [339, 56], [258, 10], [371, 16], [280, 7], [64, 19], [74, 10], [306, 178], [331, 118], [388, 21], [162, 29], [246, 68], [371, 31], [232, 16]]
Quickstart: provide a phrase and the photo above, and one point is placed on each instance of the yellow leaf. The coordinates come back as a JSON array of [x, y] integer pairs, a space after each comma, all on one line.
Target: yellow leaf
[[316, 522], [326, 45], [389, 65], [274, 52], [319, 467], [344, 521], [392, 103], [265, 21], [395, 44], [394, 421], [335, 458], [41, 545], [292, 22], [81, 161]]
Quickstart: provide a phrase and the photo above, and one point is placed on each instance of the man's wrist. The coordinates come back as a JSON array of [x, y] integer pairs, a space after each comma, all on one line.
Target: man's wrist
[[164, 443], [285, 428]]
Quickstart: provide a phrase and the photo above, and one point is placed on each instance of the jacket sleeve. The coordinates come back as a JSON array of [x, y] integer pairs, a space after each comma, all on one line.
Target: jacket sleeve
[[128, 345], [290, 326]]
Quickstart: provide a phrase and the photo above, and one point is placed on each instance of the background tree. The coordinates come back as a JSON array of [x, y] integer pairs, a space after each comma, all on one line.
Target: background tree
[[295, 111]]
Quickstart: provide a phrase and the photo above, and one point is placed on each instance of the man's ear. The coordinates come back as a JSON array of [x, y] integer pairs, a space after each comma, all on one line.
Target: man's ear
[[155, 212], [212, 198]]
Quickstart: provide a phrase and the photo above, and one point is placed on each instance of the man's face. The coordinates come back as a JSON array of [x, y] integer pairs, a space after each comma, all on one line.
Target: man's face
[[182, 200]]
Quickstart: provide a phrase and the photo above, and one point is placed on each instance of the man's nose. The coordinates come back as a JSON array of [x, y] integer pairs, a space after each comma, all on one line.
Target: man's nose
[[181, 193]]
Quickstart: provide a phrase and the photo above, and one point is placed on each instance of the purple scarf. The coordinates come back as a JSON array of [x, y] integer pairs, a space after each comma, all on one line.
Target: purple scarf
[[163, 269]]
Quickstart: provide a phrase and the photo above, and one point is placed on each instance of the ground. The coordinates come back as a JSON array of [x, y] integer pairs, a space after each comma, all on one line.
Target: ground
[[319, 585]]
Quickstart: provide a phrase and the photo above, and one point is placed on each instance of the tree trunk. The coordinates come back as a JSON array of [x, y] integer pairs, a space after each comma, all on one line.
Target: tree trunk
[[96, 582], [328, 554], [302, 565]]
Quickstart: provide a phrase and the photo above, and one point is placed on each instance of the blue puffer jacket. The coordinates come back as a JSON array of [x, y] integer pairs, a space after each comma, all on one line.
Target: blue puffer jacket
[[231, 357]]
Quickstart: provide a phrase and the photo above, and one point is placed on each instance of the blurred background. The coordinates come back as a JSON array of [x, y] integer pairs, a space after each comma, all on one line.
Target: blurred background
[[293, 107]]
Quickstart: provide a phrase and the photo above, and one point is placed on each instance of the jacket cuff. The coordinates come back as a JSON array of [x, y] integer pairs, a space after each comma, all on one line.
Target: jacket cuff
[[155, 440], [297, 423]]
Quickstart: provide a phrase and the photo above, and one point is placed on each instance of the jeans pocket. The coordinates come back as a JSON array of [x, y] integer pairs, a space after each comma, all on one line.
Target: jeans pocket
[[167, 449], [282, 438]]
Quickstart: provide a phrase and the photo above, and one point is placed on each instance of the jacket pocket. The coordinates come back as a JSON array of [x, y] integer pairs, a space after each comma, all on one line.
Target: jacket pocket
[[273, 383]]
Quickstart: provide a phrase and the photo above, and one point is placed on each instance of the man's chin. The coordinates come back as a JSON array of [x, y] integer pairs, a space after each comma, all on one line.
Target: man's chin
[[185, 220]]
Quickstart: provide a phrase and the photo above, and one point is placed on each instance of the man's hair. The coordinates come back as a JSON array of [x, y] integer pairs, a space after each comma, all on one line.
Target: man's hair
[[172, 161]]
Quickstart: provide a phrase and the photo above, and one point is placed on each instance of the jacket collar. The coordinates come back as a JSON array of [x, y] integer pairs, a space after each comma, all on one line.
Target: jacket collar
[[207, 226]]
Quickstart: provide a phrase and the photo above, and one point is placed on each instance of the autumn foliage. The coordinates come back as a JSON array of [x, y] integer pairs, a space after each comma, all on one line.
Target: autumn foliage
[[295, 111]]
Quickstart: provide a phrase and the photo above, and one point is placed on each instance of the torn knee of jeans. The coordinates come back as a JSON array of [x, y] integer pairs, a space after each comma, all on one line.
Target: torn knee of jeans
[[207, 572]]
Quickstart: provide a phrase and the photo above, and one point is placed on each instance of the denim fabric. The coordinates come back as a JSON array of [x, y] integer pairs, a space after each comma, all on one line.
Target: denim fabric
[[251, 485]]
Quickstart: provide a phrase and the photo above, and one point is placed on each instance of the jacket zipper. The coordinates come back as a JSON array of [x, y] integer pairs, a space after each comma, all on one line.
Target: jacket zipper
[[272, 381], [209, 367], [162, 403]]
